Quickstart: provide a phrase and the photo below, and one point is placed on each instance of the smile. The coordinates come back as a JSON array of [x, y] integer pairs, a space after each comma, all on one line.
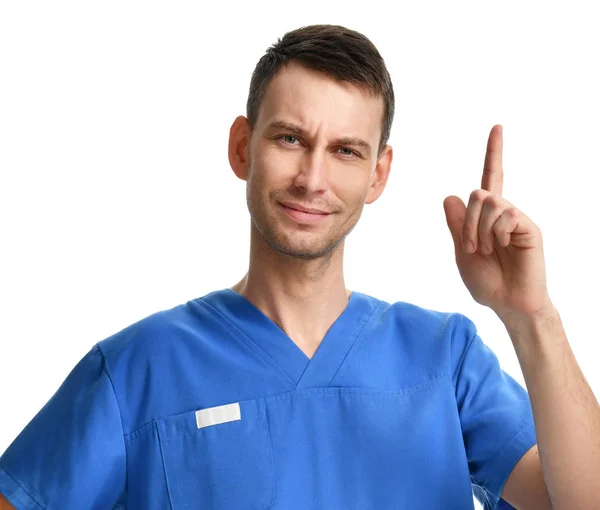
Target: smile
[[303, 217]]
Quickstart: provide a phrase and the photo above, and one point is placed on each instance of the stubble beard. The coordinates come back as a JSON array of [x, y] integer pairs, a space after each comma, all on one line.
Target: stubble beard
[[269, 226]]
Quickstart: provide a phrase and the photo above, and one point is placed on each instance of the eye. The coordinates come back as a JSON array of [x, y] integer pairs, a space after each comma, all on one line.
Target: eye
[[287, 136], [350, 152]]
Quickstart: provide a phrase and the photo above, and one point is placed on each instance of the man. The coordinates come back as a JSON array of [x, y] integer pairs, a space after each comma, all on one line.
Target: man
[[289, 391]]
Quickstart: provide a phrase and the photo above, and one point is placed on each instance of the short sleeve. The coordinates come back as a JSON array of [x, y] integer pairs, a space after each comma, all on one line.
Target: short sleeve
[[72, 453], [496, 419]]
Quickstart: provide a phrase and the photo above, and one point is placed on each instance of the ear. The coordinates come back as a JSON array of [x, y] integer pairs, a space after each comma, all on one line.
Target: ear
[[380, 175], [239, 147]]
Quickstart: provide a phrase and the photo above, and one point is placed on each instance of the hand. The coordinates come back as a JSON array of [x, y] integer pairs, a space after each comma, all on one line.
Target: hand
[[504, 269]]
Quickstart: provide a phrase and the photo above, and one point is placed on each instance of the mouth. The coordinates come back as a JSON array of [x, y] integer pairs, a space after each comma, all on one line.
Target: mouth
[[303, 216]]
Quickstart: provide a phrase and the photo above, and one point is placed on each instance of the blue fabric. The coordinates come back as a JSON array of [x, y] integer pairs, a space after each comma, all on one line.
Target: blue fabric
[[400, 407]]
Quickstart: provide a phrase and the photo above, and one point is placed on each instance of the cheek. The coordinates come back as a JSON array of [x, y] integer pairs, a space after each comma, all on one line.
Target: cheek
[[278, 167], [350, 185], [259, 189], [272, 176]]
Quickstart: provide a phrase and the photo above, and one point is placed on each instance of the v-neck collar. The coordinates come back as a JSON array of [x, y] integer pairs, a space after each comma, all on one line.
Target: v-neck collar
[[282, 351]]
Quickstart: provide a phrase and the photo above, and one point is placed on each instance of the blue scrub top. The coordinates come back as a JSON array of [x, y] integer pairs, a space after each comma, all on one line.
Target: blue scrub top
[[210, 405]]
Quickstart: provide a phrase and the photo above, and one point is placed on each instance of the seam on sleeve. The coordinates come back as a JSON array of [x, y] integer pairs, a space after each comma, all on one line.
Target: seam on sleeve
[[110, 379], [22, 487], [500, 455], [463, 357]]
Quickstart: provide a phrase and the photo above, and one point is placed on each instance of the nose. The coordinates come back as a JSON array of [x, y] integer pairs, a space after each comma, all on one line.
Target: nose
[[312, 171]]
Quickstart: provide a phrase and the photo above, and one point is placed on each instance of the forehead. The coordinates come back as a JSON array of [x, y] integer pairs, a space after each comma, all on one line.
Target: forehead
[[317, 101]]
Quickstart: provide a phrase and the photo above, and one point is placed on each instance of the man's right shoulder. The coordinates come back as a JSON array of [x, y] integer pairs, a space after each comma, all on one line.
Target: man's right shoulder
[[149, 334]]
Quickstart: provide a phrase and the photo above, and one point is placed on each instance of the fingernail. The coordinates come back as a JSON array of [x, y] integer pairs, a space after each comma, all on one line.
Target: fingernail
[[468, 246]]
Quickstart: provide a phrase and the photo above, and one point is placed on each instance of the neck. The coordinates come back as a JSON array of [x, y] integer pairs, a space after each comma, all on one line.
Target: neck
[[303, 297]]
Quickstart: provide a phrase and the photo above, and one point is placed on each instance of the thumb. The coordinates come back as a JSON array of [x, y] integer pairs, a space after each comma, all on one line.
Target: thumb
[[455, 210]]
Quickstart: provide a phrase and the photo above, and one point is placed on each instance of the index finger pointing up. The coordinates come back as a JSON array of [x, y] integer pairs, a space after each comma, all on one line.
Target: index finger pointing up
[[493, 175]]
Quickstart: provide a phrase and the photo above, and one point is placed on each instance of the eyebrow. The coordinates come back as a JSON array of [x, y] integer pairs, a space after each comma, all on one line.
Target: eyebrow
[[344, 140]]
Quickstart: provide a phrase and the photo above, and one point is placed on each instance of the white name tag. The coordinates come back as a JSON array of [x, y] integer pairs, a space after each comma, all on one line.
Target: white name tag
[[219, 414]]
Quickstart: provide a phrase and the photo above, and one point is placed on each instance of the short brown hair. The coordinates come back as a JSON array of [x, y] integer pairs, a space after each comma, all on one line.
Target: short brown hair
[[338, 51]]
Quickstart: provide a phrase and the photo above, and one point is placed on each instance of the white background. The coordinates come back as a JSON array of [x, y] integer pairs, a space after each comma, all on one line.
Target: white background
[[117, 199]]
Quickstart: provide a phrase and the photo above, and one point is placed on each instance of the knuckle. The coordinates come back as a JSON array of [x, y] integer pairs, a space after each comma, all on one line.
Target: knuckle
[[478, 195], [493, 202], [513, 212]]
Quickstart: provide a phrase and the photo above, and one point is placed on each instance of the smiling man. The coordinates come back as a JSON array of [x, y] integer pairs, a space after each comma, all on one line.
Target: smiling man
[[289, 391], [312, 157]]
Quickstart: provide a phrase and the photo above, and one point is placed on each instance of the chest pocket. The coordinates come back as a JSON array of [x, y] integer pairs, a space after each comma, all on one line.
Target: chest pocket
[[219, 458]]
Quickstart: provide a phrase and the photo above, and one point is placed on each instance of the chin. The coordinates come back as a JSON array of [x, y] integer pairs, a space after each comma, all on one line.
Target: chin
[[306, 251]]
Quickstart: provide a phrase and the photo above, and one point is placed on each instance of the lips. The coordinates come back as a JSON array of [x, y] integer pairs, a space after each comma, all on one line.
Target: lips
[[302, 216], [299, 207]]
